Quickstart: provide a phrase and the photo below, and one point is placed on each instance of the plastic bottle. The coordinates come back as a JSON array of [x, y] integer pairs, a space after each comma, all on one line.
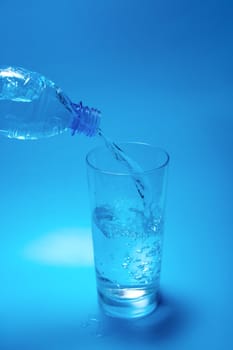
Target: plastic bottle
[[32, 107]]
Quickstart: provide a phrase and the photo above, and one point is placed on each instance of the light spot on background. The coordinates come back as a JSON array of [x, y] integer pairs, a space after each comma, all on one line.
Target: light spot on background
[[72, 246]]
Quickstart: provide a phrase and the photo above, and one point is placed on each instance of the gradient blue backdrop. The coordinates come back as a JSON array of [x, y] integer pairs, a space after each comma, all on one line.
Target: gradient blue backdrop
[[161, 72]]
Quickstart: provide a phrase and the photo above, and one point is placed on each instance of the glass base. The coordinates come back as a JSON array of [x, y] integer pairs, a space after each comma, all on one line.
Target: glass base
[[128, 302]]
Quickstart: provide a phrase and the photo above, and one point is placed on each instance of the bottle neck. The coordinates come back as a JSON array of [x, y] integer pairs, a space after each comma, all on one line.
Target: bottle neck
[[85, 120]]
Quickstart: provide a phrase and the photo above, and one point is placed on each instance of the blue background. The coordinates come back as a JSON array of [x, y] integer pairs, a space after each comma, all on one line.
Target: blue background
[[160, 72]]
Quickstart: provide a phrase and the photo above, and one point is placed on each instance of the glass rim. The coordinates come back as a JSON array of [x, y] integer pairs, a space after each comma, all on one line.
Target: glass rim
[[120, 173]]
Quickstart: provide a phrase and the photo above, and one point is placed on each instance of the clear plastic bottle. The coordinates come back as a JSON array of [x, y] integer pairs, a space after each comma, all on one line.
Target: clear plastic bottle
[[33, 107]]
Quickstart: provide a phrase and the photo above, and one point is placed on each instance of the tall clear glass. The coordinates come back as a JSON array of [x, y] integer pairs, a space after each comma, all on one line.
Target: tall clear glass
[[127, 204]]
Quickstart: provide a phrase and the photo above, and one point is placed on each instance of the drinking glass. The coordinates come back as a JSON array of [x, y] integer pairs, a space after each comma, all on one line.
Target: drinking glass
[[127, 189]]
